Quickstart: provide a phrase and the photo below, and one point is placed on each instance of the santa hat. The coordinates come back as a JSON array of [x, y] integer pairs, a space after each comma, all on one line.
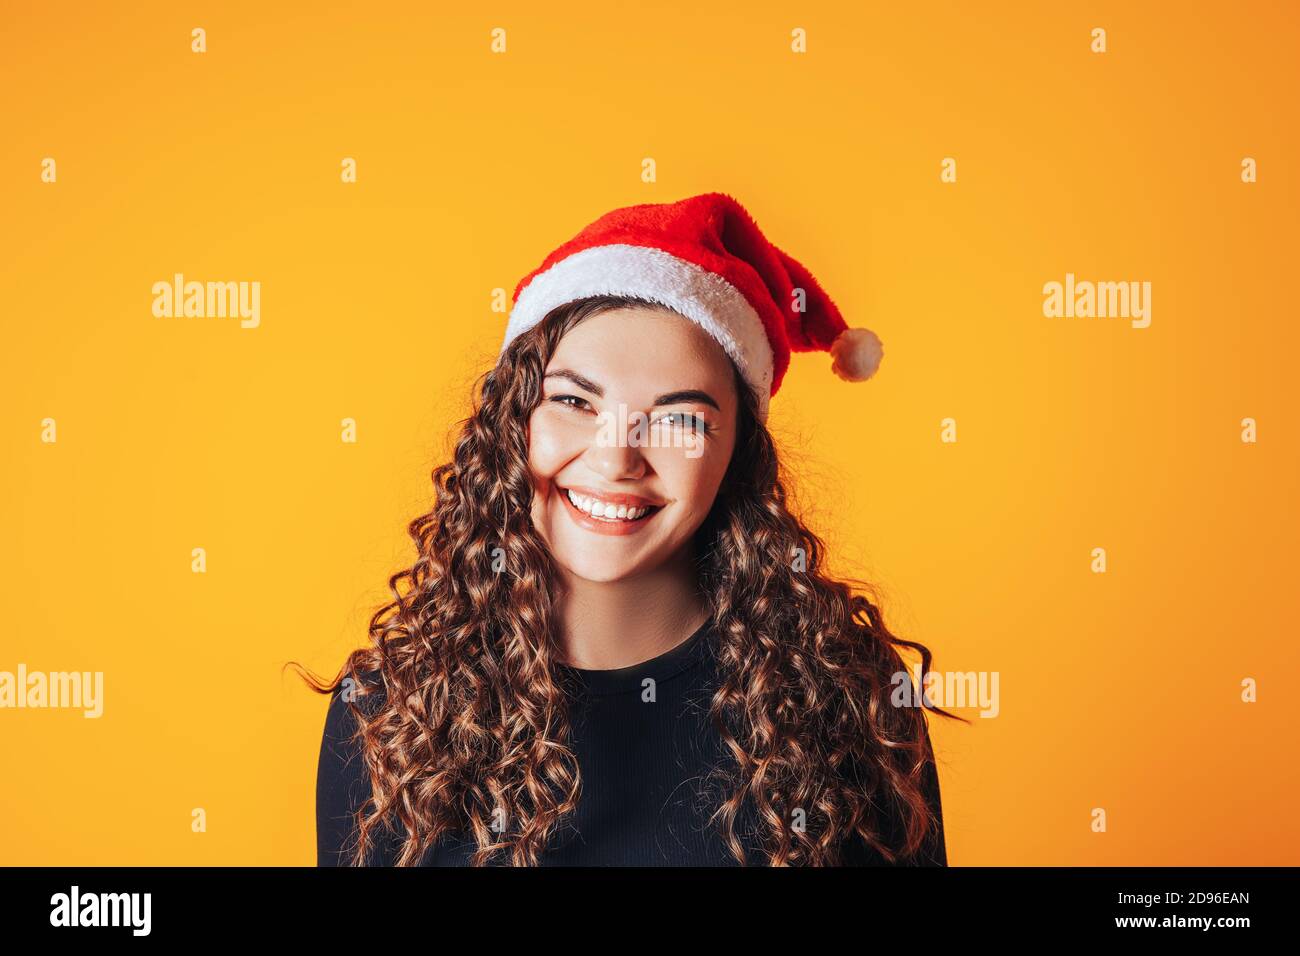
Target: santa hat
[[705, 258]]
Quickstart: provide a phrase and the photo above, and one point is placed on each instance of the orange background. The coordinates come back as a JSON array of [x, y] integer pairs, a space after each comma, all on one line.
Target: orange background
[[1118, 690]]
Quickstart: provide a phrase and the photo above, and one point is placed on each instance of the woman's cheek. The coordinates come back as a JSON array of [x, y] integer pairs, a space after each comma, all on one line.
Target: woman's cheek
[[551, 444], [688, 479]]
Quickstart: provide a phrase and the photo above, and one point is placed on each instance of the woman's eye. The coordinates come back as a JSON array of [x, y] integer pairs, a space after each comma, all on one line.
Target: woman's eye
[[570, 401], [683, 419]]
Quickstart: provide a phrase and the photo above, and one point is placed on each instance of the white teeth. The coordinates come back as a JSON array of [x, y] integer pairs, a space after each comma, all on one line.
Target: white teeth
[[605, 510]]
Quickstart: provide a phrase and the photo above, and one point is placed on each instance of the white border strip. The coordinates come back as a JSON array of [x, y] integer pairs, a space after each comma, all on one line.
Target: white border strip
[[702, 296]]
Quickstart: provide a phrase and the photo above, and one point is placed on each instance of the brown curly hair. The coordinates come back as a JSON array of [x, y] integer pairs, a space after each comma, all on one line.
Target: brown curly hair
[[474, 721]]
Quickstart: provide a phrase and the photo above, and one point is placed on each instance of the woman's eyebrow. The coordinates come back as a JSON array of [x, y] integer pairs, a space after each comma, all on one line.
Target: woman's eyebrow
[[577, 380], [686, 395], [668, 398]]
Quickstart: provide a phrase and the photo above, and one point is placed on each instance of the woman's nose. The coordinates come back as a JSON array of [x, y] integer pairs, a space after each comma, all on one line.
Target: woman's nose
[[615, 461]]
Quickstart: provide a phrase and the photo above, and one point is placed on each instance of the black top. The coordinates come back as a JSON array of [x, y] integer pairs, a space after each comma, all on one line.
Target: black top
[[643, 750]]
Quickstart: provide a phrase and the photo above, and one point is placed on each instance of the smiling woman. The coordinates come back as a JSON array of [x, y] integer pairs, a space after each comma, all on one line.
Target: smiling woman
[[626, 651]]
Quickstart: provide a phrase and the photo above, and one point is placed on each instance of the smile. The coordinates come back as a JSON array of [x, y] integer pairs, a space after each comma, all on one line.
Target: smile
[[608, 513]]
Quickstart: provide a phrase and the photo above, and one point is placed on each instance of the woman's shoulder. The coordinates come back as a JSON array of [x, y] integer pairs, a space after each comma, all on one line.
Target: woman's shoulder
[[933, 850], [342, 780], [366, 691]]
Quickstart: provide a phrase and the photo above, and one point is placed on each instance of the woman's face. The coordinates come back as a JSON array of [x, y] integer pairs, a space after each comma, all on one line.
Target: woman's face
[[630, 442]]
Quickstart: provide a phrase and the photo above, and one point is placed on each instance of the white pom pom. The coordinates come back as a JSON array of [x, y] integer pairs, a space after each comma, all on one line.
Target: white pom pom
[[857, 354]]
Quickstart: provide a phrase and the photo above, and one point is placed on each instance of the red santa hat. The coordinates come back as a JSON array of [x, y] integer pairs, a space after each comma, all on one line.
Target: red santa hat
[[705, 258]]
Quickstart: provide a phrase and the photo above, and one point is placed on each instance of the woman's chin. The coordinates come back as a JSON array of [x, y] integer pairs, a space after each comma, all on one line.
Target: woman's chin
[[590, 567]]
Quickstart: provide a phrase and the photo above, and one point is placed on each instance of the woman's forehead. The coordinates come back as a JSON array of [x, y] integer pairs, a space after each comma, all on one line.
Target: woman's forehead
[[653, 340], [629, 360]]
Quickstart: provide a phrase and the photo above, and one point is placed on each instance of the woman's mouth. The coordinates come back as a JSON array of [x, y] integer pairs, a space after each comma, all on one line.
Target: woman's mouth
[[607, 513]]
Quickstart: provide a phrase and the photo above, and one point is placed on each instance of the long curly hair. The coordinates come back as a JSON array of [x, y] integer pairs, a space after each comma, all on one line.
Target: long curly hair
[[473, 725]]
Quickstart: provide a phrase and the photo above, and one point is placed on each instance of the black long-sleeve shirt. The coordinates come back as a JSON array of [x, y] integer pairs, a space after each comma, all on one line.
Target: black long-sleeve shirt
[[642, 758]]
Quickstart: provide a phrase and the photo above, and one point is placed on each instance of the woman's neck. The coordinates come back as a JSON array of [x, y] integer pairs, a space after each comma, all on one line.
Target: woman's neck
[[606, 625]]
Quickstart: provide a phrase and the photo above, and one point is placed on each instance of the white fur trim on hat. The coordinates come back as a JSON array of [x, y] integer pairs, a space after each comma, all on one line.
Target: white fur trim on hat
[[702, 296]]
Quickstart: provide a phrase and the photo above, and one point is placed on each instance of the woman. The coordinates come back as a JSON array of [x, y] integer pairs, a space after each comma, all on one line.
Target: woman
[[616, 645]]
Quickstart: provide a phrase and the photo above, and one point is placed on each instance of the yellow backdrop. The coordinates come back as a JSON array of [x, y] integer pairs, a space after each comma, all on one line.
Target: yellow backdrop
[[1119, 691]]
